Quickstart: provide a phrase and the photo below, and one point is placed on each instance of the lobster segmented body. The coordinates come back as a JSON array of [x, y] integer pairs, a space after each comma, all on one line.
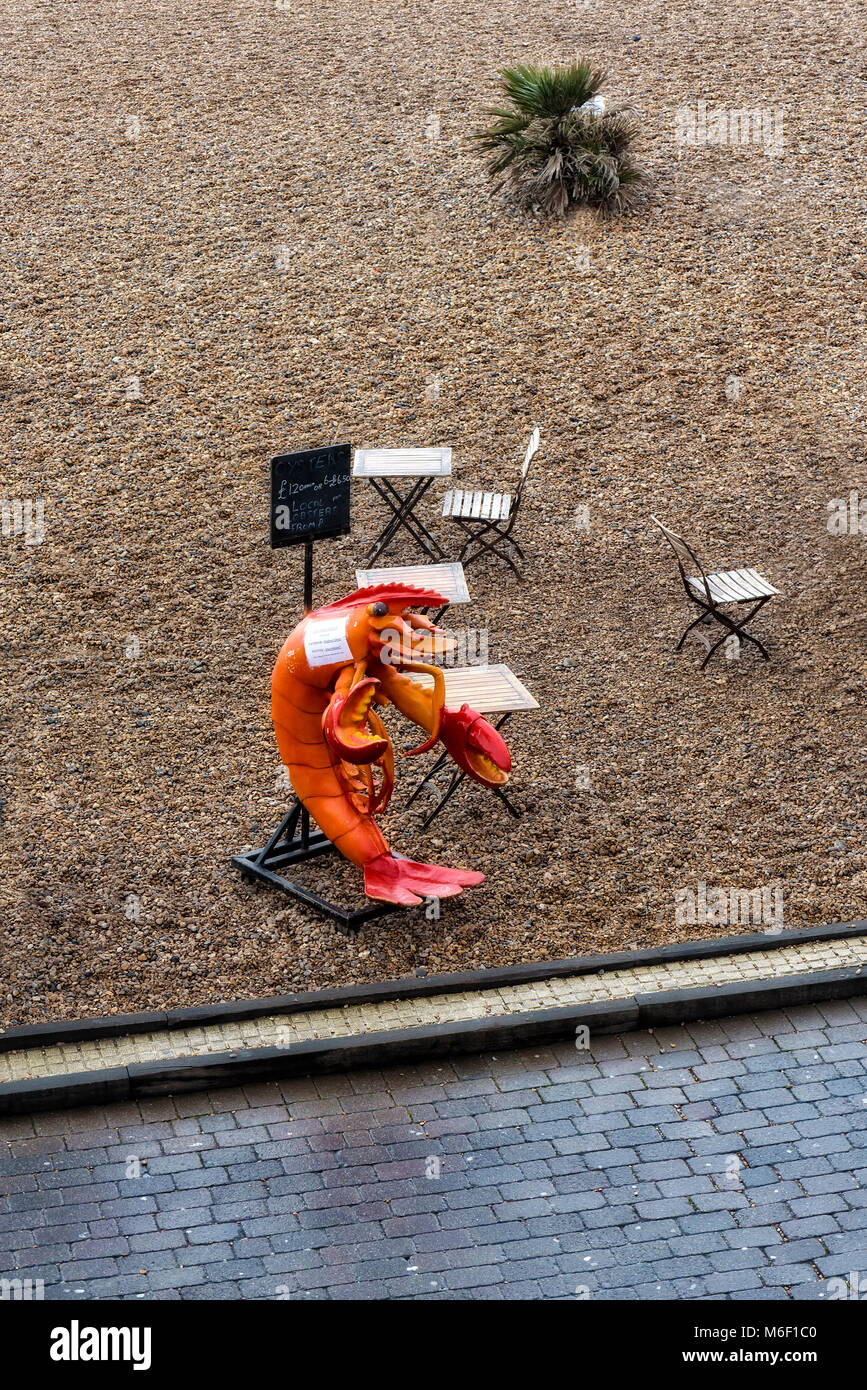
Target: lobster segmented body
[[336, 669]]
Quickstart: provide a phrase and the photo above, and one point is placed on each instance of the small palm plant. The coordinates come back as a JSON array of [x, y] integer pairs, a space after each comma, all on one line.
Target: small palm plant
[[550, 152]]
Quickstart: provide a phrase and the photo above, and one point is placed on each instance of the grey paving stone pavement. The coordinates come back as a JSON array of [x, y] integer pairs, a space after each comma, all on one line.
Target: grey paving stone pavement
[[723, 1160]]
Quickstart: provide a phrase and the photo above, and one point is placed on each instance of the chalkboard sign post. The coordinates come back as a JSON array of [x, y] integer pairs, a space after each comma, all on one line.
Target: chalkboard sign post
[[309, 501], [308, 576]]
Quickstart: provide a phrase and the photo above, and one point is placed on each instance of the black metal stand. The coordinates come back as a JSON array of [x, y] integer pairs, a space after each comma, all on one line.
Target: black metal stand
[[294, 842], [456, 778]]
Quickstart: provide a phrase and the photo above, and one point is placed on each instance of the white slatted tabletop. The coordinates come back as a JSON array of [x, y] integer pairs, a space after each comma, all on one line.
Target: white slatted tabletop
[[448, 579], [488, 689], [402, 463]]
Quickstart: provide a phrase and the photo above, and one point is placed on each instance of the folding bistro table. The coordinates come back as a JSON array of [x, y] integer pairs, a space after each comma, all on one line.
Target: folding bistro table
[[448, 579], [419, 467], [488, 690]]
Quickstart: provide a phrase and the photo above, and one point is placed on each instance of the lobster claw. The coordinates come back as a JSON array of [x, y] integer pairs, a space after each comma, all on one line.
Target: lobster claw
[[476, 746], [345, 726]]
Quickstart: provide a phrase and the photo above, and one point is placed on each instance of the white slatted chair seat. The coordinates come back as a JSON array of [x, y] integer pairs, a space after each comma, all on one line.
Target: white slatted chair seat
[[734, 586], [477, 506]]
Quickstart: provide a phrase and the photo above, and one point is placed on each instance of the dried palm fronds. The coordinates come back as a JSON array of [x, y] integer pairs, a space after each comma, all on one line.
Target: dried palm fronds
[[549, 153]]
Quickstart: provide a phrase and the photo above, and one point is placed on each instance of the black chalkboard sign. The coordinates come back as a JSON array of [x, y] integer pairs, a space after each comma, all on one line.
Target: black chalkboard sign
[[310, 495]]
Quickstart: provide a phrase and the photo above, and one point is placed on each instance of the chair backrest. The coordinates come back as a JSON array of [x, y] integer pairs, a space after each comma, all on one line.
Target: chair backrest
[[684, 554], [528, 459]]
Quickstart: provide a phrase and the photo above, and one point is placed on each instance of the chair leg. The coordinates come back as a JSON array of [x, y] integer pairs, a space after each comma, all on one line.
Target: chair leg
[[502, 555], [463, 551], [688, 630], [470, 538], [509, 561], [748, 637], [469, 555], [712, 649], [482, 548], [738, 630]]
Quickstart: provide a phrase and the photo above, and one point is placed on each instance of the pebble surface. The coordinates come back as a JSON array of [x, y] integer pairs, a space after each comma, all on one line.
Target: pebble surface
[[238, 228]]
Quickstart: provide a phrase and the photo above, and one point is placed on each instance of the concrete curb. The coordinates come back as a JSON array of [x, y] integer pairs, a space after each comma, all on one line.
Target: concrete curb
[[414, 987], [146, 1079]]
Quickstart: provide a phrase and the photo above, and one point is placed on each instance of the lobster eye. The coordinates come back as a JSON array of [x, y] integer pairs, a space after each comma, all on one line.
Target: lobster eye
[[380, 610]]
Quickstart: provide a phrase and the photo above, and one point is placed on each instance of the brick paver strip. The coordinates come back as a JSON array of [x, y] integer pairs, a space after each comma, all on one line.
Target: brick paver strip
[[722, 1160], [558, 992]]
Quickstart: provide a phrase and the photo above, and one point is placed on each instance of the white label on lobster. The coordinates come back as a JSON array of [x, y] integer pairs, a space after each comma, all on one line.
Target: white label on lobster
[[325, 642]]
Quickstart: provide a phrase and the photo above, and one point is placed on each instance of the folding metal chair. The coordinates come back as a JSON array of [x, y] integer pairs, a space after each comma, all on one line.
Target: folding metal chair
[[487, 518], [710, 591]]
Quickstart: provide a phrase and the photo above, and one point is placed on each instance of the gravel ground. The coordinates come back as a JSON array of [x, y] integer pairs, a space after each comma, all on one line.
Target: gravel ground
[[234, 228]]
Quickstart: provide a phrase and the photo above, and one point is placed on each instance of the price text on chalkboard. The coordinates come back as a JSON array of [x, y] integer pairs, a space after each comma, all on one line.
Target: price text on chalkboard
[[310, 495]]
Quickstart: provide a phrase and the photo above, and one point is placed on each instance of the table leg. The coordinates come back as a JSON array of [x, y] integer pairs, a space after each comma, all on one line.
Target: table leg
[[414, 524], [392, 525], [403, 509]]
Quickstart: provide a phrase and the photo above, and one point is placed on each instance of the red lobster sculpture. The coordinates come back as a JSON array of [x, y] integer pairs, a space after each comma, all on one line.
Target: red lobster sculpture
[[339, 665]]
